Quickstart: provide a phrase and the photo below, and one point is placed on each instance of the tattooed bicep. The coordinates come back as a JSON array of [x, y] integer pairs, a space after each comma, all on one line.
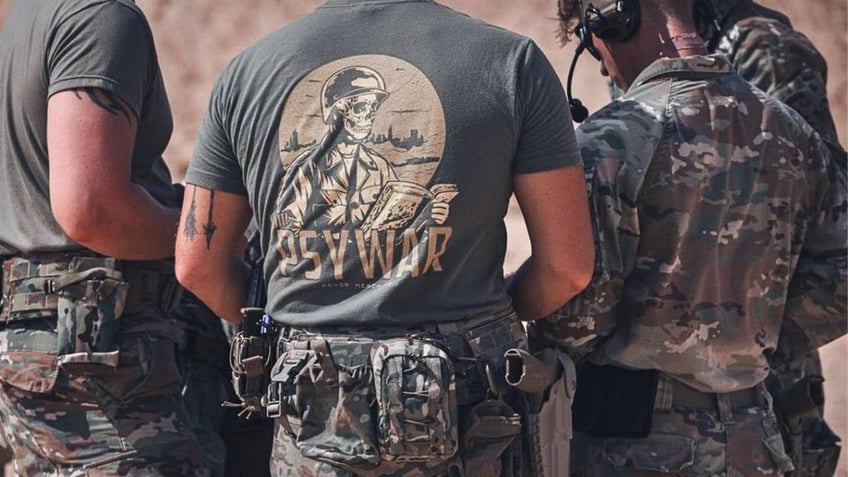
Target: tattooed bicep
[[106, 101], [190, 223]]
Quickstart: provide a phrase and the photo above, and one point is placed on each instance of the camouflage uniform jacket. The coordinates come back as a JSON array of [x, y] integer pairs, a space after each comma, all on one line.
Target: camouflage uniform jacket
[[765, 50], [719, 221]]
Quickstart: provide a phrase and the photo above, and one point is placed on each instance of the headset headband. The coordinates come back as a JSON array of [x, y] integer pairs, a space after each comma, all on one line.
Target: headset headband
[[612, 20]]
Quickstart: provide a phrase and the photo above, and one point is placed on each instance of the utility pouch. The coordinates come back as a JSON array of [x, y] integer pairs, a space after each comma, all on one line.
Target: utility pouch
[[490, 427], [325, 393], [416, 400], [614, 402], [90, 301]]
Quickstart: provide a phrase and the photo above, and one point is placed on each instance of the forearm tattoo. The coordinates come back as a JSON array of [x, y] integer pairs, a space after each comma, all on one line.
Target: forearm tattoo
[[106, 101], [190, 228], [210, 227]]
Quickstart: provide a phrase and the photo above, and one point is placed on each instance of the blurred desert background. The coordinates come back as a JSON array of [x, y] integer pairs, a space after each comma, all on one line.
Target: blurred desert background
[[196, 38]]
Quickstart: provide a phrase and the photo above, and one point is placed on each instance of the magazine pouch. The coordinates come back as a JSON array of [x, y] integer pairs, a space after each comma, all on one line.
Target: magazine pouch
[[416, 400], [325, 393]]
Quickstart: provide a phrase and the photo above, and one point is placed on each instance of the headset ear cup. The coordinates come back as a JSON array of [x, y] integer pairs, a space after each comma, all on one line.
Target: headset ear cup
[[621, 25]]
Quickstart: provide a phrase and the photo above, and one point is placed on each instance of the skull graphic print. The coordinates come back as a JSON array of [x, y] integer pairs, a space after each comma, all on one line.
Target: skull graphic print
[[357, 198]]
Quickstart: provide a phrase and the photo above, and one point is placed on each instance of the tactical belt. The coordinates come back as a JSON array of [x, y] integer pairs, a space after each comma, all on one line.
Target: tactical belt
[[477, 346], [488, 336], [152, 283], [672, 393]]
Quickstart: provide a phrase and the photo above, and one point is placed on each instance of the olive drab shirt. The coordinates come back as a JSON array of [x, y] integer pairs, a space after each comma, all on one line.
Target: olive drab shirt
[[721, 224], [57, 46], [376, 142]]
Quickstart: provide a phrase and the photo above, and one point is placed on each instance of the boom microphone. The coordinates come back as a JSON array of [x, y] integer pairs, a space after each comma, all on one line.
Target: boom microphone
[[579, 113]]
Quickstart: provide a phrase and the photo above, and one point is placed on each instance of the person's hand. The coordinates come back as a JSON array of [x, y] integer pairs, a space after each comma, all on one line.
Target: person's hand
[[439, 212]]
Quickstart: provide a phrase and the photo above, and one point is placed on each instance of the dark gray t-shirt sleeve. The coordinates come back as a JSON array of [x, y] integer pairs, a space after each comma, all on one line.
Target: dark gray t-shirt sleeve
[[546, 139], [107, 46], [214, 164]]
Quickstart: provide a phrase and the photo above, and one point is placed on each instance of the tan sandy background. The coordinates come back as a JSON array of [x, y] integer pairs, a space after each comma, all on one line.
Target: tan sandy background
[[195, 39]]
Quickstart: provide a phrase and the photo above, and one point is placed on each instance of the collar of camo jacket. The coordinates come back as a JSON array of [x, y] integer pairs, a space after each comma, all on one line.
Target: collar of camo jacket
[[715, 64]]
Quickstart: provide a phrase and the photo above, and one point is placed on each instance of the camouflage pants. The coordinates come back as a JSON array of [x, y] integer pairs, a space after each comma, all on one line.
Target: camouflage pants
[[96, 420], [500, 459], [287, 461], [694, 442]]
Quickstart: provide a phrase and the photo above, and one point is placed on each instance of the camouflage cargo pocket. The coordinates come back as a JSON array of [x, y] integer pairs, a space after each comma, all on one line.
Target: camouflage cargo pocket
[[30, 371], [416, 401], [328, 395], [88, 312], [657, 452]]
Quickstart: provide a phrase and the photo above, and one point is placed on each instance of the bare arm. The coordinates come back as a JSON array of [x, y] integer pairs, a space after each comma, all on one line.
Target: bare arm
[[90, 139], [209, 249], [556, 210]]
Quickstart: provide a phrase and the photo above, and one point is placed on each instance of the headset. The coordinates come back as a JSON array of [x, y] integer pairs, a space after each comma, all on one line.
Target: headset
[[611, 20]]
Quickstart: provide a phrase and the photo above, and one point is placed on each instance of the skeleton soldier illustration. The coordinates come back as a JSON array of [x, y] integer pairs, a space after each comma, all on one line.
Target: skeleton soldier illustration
[[338, 186], [337, 181]]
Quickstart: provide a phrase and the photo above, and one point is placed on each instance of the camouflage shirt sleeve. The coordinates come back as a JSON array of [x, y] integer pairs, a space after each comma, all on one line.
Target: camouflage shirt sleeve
[[785, 64], [815, 311], [623, 135]]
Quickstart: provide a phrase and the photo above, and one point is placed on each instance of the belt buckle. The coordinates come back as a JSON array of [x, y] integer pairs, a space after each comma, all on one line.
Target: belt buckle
[[273, 404], [294, 364]]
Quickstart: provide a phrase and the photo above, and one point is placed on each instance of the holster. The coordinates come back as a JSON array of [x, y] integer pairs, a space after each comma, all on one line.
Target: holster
[[548, 381]]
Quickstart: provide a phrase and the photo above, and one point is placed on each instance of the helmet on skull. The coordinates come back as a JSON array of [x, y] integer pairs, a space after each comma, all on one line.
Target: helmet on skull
[[348, 83]]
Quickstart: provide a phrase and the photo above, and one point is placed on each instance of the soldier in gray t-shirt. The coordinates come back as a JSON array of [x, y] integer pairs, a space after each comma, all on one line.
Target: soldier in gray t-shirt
[[88, 380], [378, 144]]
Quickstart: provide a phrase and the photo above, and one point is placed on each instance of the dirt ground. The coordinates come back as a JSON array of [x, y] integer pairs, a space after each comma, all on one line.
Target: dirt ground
[[195, 39]]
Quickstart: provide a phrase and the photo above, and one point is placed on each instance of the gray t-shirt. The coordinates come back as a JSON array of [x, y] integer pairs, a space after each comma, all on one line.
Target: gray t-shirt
[[48, 46], [351, 128]]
